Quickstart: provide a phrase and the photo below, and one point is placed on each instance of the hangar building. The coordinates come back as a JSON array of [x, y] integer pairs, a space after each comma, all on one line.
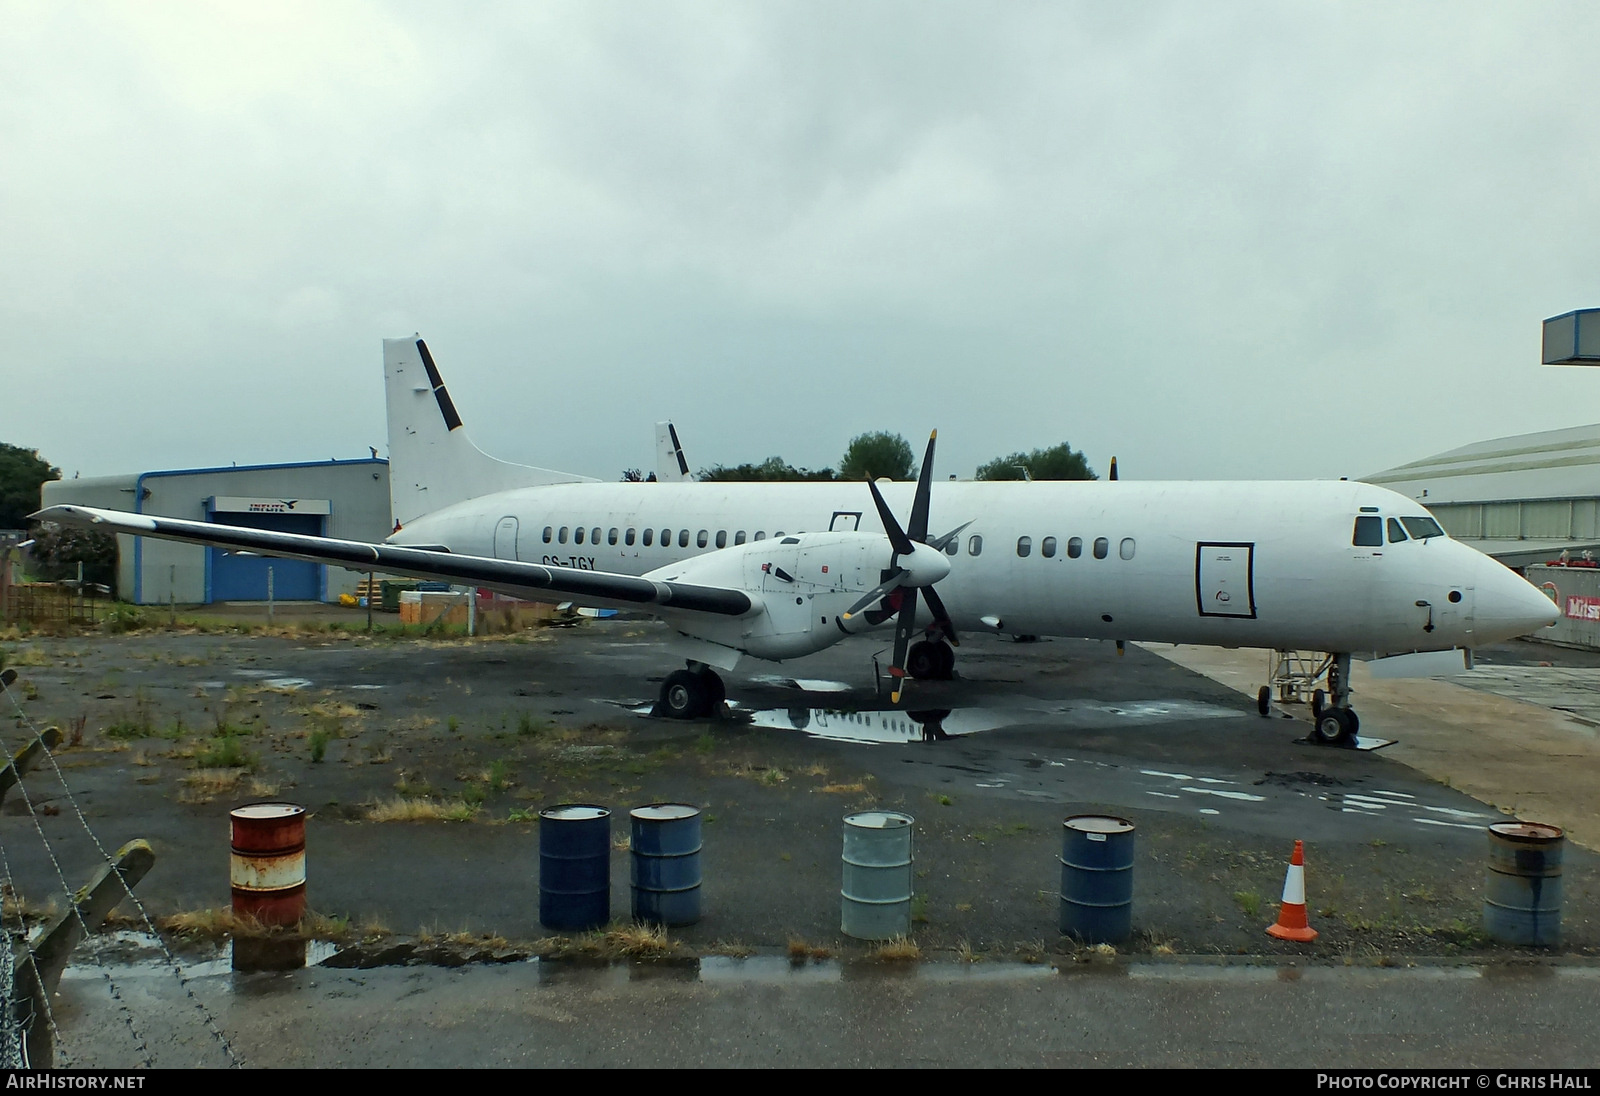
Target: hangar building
[[336, 498], [1522, 499]]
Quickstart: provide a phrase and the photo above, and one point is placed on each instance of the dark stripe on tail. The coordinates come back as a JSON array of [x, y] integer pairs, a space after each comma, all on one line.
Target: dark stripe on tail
[[447, 407]]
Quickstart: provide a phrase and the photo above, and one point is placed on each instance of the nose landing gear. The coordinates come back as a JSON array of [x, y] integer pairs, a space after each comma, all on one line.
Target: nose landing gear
[[1336, 725]]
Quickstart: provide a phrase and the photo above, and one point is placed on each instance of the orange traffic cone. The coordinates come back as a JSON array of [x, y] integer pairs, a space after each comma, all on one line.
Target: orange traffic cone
[[1292, 924]]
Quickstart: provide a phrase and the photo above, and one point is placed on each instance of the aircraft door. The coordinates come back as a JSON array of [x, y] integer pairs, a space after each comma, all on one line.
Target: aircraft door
[[1224, 580], [505, 538]]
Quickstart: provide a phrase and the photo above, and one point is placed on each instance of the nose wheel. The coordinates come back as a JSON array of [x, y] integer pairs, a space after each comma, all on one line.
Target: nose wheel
[[1336, 724]]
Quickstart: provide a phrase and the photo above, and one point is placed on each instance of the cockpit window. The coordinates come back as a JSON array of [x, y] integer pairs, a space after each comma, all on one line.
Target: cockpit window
[[1422, 528], [1369, 532], [1396, 534]]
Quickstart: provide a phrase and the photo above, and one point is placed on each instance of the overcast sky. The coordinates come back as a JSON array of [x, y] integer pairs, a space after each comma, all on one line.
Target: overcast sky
[[1282, 239]]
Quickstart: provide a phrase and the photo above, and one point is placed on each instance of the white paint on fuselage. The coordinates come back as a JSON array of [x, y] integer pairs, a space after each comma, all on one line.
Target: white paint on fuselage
[[1312, 589]]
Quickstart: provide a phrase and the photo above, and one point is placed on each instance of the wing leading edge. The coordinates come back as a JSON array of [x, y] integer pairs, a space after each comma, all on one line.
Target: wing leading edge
[[506, 576]]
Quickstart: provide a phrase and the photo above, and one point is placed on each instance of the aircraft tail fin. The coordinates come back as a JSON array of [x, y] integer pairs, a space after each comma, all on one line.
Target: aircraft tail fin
[[671, 465], [432, 462]]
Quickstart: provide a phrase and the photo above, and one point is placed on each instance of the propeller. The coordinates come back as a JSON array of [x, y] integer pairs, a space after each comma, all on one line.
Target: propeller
[[1113, 468], [916, 565]]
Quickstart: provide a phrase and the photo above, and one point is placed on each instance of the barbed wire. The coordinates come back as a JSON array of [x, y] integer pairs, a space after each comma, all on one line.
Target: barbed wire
[[16, 1047], [172, 960]]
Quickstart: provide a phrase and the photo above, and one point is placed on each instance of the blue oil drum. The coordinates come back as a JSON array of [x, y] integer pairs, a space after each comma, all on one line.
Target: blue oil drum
[[1097, 878], [1522, 889], [574, 867], [665, 874], [875, 898]]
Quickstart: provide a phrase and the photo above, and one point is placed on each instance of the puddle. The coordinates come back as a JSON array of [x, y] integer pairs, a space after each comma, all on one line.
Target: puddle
[[129, 954], [804, 684], [894, 725]]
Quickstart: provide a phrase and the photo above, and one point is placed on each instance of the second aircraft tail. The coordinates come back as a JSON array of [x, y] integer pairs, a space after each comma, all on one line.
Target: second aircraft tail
[[432, 462]]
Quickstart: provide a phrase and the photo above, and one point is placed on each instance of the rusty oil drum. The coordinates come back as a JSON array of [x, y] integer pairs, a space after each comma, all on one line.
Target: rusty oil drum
[[268, 865], [1522, 888], [574, 867]]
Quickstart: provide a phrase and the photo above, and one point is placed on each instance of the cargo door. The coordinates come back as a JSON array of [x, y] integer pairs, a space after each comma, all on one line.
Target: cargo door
[[1224, 580]]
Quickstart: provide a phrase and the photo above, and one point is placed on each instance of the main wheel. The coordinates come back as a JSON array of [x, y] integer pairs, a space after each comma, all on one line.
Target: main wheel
[[922, 660], [683, 695], [947, 662], [1334, 727], [1264, 700], [716, 691], [1318, 697]]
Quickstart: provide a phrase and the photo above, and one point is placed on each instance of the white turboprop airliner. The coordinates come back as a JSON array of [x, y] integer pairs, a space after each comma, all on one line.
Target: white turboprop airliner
[[781, 570]]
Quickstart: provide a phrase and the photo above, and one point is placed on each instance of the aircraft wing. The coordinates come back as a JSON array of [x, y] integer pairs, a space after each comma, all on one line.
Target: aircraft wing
[[524, 580]]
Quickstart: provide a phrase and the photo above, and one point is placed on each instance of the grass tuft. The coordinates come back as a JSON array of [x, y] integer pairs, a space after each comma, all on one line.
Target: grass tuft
[[412, 809], [897, 950]]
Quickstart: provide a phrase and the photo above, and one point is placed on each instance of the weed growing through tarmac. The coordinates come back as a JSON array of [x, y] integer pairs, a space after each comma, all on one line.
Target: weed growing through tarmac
[[919, 909], [139, 723], [405, 809], [900, 949], [319, 745], [800, 951], [964, 952], [1249, 902], [226, 753], [204, 785]]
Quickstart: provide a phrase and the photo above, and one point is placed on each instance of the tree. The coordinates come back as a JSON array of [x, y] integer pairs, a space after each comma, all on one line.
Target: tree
[[22, 476], [1059, 462], [771, 470], [58, 549], [877, 455]]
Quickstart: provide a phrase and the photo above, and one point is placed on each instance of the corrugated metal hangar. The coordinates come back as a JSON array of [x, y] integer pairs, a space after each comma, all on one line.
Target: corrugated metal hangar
[[1522, 499], [336, 498]]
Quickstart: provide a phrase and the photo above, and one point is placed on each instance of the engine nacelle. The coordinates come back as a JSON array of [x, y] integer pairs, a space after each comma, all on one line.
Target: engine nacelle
[[800, 585]]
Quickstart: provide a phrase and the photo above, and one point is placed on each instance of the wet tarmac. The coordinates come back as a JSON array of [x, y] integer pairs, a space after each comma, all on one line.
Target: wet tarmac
[[988, 764]]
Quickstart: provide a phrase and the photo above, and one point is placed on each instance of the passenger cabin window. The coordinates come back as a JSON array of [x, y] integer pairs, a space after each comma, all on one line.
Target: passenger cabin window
[[1047, 547], [649, 537], [1125, 549], [1396, 534], [1369, 532], [1102, 547], [627, 538], [738, 538], [1074, 547], [683, 538], [549, 533], [561, 537], [611, 537], [1422, 528], [577, 535], [760, 535], [594, 535], [666, 538], [975, 545], [702, 539], [722, 538], [1024, 546]]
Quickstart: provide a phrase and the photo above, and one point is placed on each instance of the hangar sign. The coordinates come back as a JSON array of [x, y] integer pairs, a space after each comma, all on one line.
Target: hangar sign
[[1580, 607], [227, 504]]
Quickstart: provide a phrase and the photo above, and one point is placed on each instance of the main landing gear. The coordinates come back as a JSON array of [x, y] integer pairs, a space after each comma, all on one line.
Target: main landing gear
[[693, 693], [1335, 724], [931, 660]]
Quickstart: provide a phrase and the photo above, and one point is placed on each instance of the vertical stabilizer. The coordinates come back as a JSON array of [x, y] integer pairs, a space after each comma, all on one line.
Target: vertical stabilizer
[[432, 462], [671, 465]]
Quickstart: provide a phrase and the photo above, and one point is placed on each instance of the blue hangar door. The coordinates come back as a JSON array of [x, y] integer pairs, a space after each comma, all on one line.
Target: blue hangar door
[[244, 578]]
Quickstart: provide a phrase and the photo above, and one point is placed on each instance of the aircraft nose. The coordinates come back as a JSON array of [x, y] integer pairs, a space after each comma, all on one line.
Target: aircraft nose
[[1508, 605]]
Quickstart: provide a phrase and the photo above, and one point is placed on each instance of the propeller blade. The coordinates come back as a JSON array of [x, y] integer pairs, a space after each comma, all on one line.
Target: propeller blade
[[940, 616], [1122, 648], [1113, 468], [897, 535], [941, 543], [875, 595], [902, 642], [918, 529]]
